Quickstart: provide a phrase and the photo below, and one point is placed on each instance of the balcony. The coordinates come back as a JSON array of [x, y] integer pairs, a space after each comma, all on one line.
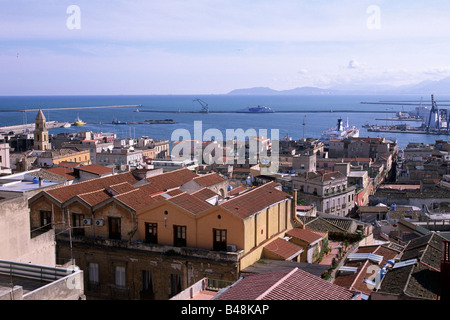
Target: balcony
[[232, 257]]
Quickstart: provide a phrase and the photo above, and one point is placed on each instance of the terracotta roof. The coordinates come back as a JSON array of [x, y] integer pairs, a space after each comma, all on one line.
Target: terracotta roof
[[96, 169], [120, 188], [136, 199], [95, 197], [293, 284], [67, 164], [190, 203], [323, 175], [63, 194], [355, 281], [255, 200], [304, 235], [63, 172], [284, 249], [237, 190], [209, 179], [204, 194], [168, 180], [419, 279]]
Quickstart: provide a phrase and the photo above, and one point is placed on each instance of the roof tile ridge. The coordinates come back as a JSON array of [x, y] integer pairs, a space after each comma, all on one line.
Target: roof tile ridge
[[90, 192], [276, 284], [244, 194], [127, 192], [91, 180], [118, 184]]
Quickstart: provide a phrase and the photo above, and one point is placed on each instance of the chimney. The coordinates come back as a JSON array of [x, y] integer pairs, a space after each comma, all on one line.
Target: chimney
[[40, 181], [445, 271]]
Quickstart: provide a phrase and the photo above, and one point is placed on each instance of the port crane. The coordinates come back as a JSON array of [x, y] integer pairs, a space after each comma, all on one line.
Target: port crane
[[434, 121], [203, 104]]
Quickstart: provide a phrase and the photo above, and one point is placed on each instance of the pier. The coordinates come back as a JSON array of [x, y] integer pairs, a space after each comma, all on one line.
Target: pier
[[277, 111], [71, 108], [21, 128]]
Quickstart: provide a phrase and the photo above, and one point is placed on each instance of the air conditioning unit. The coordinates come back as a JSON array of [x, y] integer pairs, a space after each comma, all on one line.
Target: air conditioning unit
[[87, 222], [231, 248], [100, 222]]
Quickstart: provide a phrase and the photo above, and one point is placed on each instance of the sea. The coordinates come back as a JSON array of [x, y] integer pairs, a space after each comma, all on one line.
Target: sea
[[327, 109]]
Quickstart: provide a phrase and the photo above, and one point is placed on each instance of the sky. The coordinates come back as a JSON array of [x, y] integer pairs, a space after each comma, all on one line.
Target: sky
[[77, 47]]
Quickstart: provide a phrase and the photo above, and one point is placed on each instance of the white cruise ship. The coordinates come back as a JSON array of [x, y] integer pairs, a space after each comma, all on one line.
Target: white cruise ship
[[340, 132]]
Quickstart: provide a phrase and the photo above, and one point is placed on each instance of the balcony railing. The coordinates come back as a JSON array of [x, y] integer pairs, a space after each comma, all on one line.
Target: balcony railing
[[217, 284]]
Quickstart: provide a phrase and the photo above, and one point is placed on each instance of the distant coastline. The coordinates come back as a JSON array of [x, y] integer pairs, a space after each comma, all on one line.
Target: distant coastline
[[423, 88]]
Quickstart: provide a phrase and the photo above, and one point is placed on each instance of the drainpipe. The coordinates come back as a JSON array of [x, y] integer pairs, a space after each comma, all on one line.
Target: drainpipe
[[294, 211]]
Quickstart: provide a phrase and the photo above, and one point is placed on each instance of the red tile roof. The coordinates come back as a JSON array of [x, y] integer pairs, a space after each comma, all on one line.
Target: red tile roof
[[284, 249], [294, 284], [95, 197], [304, 235], [190, 203], [63, 172], [355, 281], [168, 180], [96, 169], [237, 190], [255, 200], [209, 179], [65, 193], [68, 164], [204, 194], [120, 188], [136, 199]]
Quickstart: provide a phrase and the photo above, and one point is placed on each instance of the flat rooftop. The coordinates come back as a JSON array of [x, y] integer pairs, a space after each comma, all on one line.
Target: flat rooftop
[[27, 284]]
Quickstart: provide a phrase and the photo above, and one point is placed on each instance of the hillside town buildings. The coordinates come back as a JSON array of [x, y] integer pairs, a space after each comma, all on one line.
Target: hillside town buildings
[[360, 219]]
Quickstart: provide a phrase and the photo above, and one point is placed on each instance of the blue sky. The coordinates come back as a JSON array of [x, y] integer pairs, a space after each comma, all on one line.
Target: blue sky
[[213, 47]]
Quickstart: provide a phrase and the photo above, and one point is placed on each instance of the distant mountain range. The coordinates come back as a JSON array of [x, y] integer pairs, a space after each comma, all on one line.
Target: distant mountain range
[[427, 87]]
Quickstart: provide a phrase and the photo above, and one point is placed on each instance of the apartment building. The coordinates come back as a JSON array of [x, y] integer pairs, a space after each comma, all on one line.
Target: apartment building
[[146, 238], [328, 191]]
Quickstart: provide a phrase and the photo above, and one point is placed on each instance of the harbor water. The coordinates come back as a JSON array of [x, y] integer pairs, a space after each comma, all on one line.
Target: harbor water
[[327, 110]]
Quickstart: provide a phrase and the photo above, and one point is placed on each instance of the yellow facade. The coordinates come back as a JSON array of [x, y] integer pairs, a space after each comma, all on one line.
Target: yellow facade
[[83, 157], [249, 235]]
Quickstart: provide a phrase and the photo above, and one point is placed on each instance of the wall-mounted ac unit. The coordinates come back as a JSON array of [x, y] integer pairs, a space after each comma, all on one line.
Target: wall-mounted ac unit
[[100, 222], [231, 247], [87, 222]]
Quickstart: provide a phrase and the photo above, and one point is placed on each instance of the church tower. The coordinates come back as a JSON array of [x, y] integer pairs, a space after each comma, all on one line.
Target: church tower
[[40, 133]]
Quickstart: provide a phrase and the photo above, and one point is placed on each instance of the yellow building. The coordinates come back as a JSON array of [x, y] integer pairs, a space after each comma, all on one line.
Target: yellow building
[[54, 157], [124, 216]]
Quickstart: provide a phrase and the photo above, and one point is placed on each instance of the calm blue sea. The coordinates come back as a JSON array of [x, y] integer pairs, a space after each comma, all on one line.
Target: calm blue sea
[[287, 123]]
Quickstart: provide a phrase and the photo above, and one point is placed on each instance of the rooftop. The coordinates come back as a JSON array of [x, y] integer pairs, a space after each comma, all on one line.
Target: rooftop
[[284, 249], [293, 284], [255, 200]]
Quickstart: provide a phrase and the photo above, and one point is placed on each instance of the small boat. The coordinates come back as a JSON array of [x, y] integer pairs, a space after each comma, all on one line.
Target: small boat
[[66, 125], [115, 121], [257, 109], [78, 122]]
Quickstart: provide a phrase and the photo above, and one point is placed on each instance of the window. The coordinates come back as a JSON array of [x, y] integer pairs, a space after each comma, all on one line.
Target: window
[[147, 285], [220, 240], [93, 273], [120, 277], [175, 284], [114, 228], [77, 224], [151, 233], [46, 219], [179, 236]]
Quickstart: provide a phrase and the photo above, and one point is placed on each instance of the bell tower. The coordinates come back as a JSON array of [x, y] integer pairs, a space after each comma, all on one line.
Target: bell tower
[[40, 133]]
